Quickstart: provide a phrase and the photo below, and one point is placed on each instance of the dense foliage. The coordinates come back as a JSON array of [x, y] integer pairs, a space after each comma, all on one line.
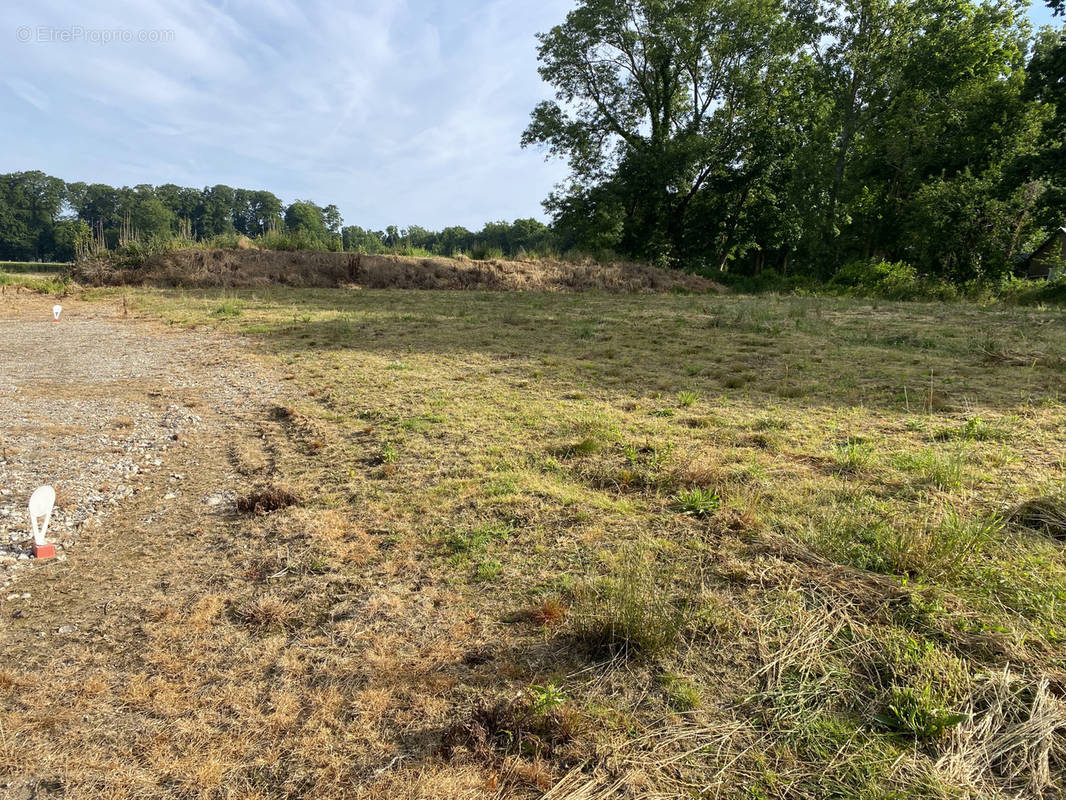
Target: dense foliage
[[806, 134]]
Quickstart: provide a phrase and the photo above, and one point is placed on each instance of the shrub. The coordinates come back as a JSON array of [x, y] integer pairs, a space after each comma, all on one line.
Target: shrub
[[483, 252], [889, 280]]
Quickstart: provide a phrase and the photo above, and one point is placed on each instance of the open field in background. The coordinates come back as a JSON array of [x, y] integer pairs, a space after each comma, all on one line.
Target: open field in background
[[680, 546], [33, 267], [50, 278]]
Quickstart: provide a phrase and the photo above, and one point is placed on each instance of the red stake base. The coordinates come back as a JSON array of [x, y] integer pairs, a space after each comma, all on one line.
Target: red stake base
[[44, 550]]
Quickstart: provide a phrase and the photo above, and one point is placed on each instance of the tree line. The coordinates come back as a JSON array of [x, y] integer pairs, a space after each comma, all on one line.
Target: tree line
[[806, 135], [799, 137], [43, 218]]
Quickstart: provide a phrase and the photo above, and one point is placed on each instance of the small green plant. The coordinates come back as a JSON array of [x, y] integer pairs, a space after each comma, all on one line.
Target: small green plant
[[388, 453], [686, 398], [487, 570], [852, 457], [917, 713], [662, 412], [697, 502], [545, 699], [681, 693], [228, 308]]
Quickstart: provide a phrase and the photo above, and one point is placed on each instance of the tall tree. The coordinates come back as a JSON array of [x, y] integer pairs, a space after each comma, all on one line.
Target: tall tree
[[655, 99]]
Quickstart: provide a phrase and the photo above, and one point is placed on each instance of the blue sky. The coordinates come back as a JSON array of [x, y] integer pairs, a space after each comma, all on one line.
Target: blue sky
[[398, 112]]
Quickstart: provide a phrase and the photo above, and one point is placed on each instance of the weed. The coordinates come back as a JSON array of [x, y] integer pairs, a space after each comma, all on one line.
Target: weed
[[697, 502], [687, 398], [549, 613], [545, 699], [388, 453], [917, 713]]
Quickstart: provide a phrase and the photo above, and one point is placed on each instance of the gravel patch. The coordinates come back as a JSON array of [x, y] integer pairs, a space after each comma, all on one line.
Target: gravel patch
[[91, 405]]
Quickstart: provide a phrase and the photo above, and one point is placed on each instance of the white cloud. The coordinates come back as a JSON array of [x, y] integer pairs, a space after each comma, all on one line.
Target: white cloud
[[399, 112]]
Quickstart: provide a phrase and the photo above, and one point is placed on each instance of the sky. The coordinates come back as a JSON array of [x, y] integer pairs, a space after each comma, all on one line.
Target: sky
[[398, 111]]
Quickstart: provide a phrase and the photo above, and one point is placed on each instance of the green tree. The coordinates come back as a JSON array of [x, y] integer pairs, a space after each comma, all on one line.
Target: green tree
[[655, 101], [215, 212]]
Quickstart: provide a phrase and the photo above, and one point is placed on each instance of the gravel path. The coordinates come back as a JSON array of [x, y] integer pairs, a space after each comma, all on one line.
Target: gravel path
[[96, 405]]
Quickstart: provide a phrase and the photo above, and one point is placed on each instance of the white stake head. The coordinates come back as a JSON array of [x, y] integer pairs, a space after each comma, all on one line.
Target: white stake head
[[56, 311], [41, 503]]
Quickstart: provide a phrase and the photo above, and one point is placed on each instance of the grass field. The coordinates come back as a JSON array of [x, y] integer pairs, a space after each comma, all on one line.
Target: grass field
[[695, 546], [33, 267], [34, 276]]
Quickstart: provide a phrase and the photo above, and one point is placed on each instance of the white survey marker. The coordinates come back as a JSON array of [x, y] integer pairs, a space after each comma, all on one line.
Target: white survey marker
[[56, 311], [42, 501]]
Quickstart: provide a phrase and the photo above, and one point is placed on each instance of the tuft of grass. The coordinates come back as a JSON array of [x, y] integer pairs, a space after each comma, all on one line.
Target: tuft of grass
[[487, 571], [975, 429], [461, 544], [634, 611], [681, 693], [945, 471], [697, 501], [852, 457], [685, 399], [584, 447], [228, 308]]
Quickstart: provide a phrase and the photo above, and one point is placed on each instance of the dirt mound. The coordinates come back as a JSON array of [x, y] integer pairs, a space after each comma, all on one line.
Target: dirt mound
[[257, 268]]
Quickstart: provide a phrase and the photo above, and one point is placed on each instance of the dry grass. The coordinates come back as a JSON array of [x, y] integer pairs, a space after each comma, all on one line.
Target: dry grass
[[489, 486], [261, 268], [265, 499]]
